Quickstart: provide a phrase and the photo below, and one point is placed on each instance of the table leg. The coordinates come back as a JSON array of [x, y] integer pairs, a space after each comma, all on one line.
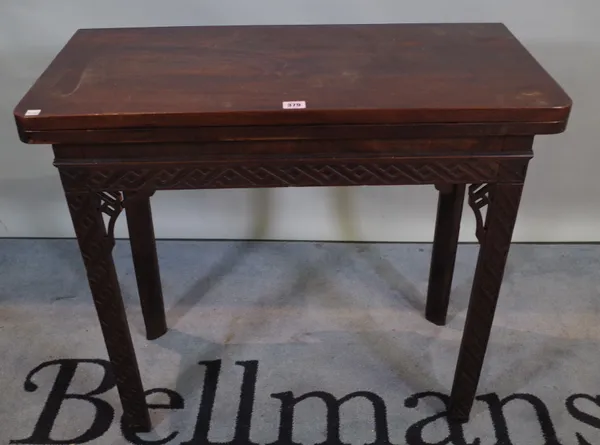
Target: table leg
[[447, 226], [500, 221], [95, 249], [145, 261]]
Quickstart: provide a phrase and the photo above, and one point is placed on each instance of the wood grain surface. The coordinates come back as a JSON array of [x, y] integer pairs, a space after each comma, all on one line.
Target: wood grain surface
[[241, 75]]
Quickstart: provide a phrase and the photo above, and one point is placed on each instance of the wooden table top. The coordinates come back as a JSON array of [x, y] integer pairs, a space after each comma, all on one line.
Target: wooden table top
[[242, 75]]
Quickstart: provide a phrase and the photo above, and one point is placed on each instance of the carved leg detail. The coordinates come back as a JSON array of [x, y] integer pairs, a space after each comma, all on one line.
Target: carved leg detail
[[447, 226], [145, 260], [95, 245], [111, 204], [478, 199], [502, 212]]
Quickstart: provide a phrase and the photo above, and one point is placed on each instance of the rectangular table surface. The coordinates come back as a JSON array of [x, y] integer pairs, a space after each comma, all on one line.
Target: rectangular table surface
[[242, 75]]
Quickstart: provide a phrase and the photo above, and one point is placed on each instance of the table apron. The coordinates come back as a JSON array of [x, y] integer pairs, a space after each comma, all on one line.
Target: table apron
[[131, 175]]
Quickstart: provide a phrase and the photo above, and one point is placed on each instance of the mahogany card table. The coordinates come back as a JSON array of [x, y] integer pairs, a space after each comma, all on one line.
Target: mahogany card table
[[131, 111]]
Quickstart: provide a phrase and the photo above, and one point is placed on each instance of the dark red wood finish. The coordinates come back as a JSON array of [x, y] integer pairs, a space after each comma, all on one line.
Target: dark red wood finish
[[501, 215], [96, 250], [145, 261], [352, 74], [443, 256], [131, 111]]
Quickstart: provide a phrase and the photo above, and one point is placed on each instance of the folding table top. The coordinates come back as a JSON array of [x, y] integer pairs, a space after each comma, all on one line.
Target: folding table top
[[291, 75]]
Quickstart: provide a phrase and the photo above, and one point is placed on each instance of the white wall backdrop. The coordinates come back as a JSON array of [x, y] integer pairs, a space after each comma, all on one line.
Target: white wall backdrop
[[561, 201]]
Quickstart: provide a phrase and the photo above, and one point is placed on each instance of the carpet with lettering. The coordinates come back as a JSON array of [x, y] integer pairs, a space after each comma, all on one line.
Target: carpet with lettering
[[283, 343]]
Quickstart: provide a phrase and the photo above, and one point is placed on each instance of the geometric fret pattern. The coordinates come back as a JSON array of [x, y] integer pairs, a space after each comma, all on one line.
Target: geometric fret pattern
[[153, 176], [111, 204], [479, 198]]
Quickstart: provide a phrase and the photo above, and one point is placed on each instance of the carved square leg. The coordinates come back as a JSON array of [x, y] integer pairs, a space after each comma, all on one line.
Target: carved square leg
[[145, 261], [95, 245], [495, 239], [443, 257]]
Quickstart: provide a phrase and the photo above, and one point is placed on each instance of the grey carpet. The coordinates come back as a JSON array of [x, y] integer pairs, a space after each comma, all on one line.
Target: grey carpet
[[330, 318]]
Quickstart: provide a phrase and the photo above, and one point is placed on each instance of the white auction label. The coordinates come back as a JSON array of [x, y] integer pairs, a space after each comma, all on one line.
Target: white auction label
[[32, 112], [295, 105]]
